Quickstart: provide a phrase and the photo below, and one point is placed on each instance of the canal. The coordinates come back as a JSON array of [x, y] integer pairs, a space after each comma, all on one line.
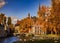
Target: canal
[[14, 39], [9, 40]]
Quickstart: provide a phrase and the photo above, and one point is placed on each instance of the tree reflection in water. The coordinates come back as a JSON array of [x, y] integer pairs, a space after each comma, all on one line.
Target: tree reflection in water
[[9, 40]]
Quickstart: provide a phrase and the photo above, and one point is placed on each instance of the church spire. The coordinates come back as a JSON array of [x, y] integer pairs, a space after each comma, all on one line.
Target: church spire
[[39, 7], [38, 13]]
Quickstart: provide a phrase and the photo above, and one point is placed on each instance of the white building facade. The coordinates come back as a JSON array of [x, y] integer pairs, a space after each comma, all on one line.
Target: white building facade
[[36, 29]]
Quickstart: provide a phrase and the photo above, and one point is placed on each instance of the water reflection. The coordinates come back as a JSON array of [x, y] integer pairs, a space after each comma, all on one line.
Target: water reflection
[[9, 40]]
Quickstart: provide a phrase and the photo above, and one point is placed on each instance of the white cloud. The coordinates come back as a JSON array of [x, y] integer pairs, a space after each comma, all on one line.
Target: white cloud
[[2, 3]]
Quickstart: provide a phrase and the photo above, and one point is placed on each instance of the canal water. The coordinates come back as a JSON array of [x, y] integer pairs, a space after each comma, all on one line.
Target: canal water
[[9, 40], [14, 39]]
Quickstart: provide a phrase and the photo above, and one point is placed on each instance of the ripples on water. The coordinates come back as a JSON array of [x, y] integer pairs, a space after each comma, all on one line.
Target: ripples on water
[[9, 40]]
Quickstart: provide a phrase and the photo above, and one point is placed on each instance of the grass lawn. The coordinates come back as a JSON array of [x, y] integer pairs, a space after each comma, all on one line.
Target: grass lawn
[[39, 41], [43, 41]]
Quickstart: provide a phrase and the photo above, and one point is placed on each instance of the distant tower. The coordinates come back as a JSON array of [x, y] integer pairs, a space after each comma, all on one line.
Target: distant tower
[[29, 15], [39, 13], [9, 21]]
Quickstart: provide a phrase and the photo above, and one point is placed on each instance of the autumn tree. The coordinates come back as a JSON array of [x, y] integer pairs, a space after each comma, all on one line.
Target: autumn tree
[[55, 17], [26, 23]]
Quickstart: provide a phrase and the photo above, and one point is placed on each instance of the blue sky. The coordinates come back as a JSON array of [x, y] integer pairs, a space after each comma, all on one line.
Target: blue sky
[[21, 8]]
